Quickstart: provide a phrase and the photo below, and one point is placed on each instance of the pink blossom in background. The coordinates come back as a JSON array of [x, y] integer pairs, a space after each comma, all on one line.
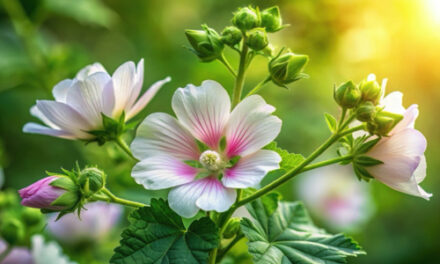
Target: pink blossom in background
[[19, 255]]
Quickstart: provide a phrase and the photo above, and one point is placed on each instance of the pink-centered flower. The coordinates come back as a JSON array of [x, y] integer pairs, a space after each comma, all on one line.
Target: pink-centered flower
[[402, 152], [41, 194], [80, 102], [164, 145]]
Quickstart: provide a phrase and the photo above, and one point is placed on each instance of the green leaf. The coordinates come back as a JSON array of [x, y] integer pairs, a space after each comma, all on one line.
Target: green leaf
[[157, 235], [366, 161], [288, 235], [288, 162], [331, 122], [365, 147]]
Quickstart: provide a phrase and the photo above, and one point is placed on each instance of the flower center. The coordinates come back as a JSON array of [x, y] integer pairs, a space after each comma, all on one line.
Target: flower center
[[211, 160]]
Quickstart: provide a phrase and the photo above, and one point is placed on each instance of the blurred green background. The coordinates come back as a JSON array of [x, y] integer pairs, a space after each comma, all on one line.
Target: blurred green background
[[45, 41]]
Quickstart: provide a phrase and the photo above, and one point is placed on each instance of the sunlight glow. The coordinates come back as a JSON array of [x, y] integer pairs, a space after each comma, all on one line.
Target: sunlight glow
[[433, 8]]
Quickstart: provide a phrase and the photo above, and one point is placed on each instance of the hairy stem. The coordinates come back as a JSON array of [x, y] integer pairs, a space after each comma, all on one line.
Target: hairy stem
[[121, 143], [239, 81], [110, 197]]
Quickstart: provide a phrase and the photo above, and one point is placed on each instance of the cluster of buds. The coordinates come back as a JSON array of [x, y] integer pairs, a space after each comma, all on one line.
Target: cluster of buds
[[206, 44], [365, 99], [64, 193], [287, 68]]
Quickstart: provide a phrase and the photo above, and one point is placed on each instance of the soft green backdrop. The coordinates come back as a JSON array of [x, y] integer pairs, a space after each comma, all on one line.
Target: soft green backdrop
[[344, 39]]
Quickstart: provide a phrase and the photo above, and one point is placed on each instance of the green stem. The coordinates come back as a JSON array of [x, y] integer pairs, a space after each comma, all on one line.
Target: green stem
[[258, 87], [114, 199], [225, 62], [121, 143], [5, 253], [326, 163], [239, 81], [223, 252], [344, 112]]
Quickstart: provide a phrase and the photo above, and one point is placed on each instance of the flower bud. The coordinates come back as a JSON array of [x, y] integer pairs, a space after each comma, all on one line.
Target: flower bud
[[257, 39], [383, 123], [206, 43], [366, 112], [246, 18], [287, 68], [12, 230], [31, 216], [231, 36], [91, 180], [347, 95], [371, 91], [232, 227], [53, 193], [271, 19]]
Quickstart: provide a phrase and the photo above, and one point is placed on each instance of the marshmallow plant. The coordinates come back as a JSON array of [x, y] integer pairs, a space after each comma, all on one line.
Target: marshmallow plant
[[212, 154]]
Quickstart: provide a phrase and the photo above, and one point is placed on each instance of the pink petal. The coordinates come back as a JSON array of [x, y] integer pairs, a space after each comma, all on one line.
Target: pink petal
[[250, 170], [162, 172], [203, 110], [160, 133], [146, 98], [251, 127]]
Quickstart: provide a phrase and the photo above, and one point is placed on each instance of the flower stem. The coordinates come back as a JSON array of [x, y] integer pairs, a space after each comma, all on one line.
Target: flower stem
[[121, 143], [239, 81], [225, 62], [258, 87], [326, 163], [223, 252], [5, 253], [110, 197]]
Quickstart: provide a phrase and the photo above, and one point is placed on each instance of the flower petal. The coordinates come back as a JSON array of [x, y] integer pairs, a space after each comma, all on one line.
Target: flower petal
[[137, 87], [86, 97], [206, 194], [250, 170], [146, 97], [35, 128], [251, 127], [203, 110], [160, 133], [37, 113], [162, 172], [65, 117], [59, 91], [409, 119], [393, 103], [124, 79], [89, 70]]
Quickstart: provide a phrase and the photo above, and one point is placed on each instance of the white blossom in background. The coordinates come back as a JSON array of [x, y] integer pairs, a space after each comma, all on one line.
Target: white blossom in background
[[336, 196], [47, 252], [164, 145], [97, 220], [79, 102]]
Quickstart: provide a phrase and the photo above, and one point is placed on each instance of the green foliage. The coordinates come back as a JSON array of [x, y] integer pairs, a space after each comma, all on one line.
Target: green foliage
[[157, 235], [331, 122], [288, 235], [288, 161]]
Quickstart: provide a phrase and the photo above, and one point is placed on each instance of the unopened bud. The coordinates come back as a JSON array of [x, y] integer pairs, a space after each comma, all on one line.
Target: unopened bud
[[371, 91], [257, 39], [271, 19], [287, 68], [383, 123], [366, 112], [347, 95], [232, 227], [91, 180], [231, 36], [246, 18], [206, 43], [12, 230]]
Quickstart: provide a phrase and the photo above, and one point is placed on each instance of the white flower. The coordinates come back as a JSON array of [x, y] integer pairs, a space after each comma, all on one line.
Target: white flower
[[164, 144], [79, 102], [50, 252]]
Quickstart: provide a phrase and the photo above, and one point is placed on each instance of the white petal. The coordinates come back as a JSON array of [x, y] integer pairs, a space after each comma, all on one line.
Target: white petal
[[160, 133], [37, 113], [146, 97], [89, 70], [183, 199], [137, 87], [203, 110], [371, 77], [250, 170], [251, 126], [162, 172], [409, 119], [124, 79], [59, 91], [393, 103], [35, 128], [86, 97], [420, 172], [65, 117], [215, 197]]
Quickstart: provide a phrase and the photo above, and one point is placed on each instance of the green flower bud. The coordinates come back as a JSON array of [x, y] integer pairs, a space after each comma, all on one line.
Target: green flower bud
[[268, 50], [257, 39], [287, 68], [12, 230], [232, 227], [347, 95], [246, 18], [383, 123], [366, 112], [271, 19], [91, 181], [231, 36], [31, 216], [206, 43], [371, 91]]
